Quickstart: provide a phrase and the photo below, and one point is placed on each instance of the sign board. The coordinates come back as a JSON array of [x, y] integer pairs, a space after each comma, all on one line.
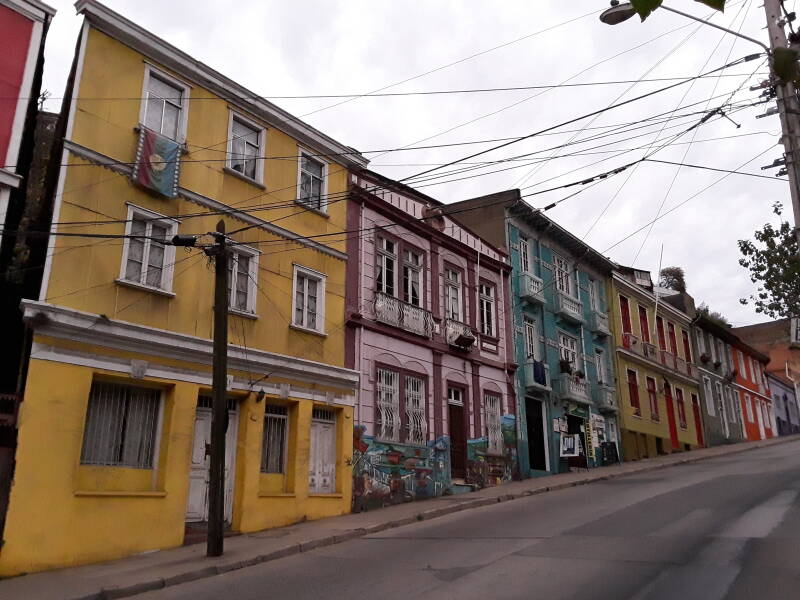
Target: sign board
[[570, 445]]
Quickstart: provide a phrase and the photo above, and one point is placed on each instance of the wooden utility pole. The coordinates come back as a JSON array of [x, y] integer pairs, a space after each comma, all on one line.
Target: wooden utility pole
[[219, 422], [787, 107]]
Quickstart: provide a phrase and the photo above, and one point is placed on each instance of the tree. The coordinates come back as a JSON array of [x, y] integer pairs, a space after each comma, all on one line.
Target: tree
[[713, 315], [645, 7], [774, 267], [673, 278]]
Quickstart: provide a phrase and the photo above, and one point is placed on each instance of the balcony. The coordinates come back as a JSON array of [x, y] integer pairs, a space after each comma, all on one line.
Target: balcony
[[531, 288], [569, 307], [691, 371], [459, 334], [632, 343], [649, 351], [573, 389], [606, 398], [413, 319], [600, 324], [668, 359], [680, 365], [537, 376]]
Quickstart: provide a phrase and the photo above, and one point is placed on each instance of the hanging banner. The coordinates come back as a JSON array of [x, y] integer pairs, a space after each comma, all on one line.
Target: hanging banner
[[157, 163]]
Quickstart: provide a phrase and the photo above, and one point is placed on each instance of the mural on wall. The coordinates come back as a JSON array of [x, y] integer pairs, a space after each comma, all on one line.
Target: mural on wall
[[386, 473], [483, 469]]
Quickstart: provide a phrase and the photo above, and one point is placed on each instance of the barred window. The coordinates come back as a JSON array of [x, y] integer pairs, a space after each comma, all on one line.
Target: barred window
[[121, 426], [494, 435], [273, 449], [415, 410], [388, 405]]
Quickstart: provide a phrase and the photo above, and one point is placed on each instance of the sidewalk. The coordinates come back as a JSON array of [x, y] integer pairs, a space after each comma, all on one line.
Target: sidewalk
[[155, 570]]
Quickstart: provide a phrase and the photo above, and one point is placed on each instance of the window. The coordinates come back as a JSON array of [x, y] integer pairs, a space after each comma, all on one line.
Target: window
[[687, 348], [531, 339], [633, 393], [594, 300], [122, 423], [164, 107], [312, 181], [644, 324], [387, 426], [720, 399], [673, 342], [752, 366], [147, 258], [701, 341], [412, 277], [524, 255], [568, 349], [386, 266], [245, 148], [795, 330], [681, 408], [452, 294], [749, 407], [730, 399], [486, 307], [242, 278], [415, 410], [455, 396], [709, 393], [561, 267], [662, 341], [273, 448], [642, 278], [494, 435], [652, 395], [309, 299], [600, 364], [742, 368], [625, 313]]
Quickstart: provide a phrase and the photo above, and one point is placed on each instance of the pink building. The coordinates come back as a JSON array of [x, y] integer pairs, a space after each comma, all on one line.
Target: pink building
[[23, 25], [428, 329]]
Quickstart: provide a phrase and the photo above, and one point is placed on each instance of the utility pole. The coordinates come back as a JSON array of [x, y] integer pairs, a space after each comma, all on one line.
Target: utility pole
[[219, 422], [788, 109]]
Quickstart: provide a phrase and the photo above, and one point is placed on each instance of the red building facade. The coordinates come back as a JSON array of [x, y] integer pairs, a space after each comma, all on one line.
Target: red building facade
[[752, 388]]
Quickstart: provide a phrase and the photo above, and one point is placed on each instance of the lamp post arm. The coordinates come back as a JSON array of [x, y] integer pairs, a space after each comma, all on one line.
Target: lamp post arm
[[710, 24]]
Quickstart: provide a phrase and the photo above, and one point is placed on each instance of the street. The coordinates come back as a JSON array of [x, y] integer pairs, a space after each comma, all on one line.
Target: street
[[721, 528]]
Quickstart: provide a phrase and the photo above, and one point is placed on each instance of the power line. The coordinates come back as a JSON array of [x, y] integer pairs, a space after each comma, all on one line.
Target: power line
[[707, 168]]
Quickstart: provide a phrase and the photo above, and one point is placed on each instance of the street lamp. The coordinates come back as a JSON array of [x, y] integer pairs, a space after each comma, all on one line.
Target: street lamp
[[619, 13]]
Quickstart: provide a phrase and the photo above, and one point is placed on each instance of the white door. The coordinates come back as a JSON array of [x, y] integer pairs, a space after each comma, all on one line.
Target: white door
[[197, 504], [759, 413], [322, 459]]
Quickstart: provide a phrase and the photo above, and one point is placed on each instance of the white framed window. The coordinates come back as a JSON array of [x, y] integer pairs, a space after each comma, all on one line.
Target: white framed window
[[309, 299], [720, 398], [455, 396], [165, 105], [276, 434], [452, 295], [147, 258], [386, 266], [730, 403], [242, 278], [486, 306], [594, 295], [387, 405], [709, 394], [246, 147], [562, 274], [749, 406], [600, 364], [122, 426], [312, 181], [412, 277], [701, 341], [531, 338], [742, 368], [524, 255], [492, 412], [415, 410], [568, 349], [712, 341], [752, 365]]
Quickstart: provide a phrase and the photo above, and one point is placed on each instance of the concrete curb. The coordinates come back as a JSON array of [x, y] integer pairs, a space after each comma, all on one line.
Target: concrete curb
[[426, 515]]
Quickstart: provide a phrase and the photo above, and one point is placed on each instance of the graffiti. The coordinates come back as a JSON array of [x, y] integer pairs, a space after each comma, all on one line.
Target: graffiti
[[386, 473], [484, 469]]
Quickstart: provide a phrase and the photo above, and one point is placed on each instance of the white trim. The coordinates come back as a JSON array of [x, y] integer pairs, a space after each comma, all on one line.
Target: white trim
[[262, 145], [183, 122], [24, 99], [168, 263], [204, 201], [9, 179], [5, 196], [323, 199], [320, 278], [32, 9], [143, 41], [89, 328]]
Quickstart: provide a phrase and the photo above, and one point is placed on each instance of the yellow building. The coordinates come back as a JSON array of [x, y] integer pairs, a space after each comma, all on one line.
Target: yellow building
[[657, 379], [111, 457]]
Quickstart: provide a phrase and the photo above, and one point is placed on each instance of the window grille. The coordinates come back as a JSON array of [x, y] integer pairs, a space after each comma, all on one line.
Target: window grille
[[415, 410], [388, 405], [206, 401], [273, 450], [121, 426], [494, 433], [323, 414]]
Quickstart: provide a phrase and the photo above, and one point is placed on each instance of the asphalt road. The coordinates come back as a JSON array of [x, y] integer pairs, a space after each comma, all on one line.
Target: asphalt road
[[722, 528]]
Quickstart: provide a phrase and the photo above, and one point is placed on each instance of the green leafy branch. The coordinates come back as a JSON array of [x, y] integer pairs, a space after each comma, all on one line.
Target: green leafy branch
[[645, 7]]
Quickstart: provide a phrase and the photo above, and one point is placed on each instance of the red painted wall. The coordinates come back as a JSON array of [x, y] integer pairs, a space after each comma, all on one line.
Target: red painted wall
[[745, 380], [16, 35]]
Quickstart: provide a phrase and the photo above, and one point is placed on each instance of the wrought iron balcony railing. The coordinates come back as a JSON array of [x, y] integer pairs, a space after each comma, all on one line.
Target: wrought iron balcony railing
[[393, 311]]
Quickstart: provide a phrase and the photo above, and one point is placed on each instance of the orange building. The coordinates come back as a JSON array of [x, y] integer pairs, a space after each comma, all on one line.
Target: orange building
[[751, 385]]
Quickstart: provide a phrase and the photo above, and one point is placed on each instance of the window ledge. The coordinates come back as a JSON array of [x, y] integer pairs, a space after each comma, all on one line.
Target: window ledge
[[276, 495], [244, 177], [146, 288], [242, 313], [326, 495], [119, 494], [317, 211], [321, 334]]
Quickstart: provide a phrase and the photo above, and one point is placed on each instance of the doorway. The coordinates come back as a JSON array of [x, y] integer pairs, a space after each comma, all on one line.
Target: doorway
[[577, 426], [458, 441], [197, 503], [537, 451], [673, 426], [322, 453]]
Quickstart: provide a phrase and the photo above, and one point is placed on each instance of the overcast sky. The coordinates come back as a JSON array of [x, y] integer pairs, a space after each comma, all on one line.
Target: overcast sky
[[279, 48]]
